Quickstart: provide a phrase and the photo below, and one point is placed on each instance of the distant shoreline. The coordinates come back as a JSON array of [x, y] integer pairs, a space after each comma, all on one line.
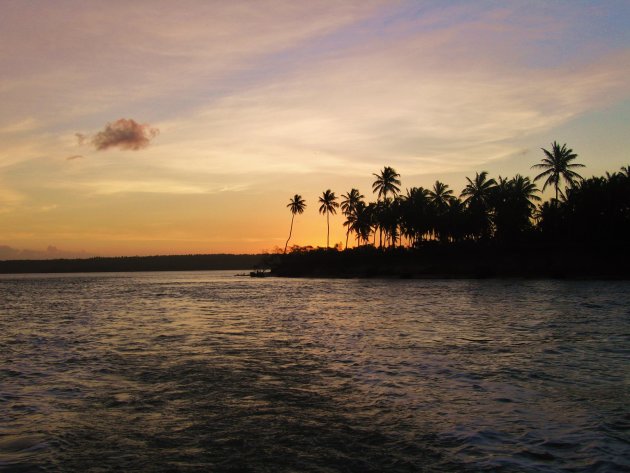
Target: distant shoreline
[[134, 264], [435, 261]]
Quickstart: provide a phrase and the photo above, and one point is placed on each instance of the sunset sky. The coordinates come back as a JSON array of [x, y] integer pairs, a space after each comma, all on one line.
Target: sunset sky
[[163, 127]]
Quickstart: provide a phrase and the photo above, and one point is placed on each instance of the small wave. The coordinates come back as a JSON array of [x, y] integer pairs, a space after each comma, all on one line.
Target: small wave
[[20, 453]]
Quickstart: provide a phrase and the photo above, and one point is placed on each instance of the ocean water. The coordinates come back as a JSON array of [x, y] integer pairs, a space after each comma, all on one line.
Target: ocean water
[[208, 371]]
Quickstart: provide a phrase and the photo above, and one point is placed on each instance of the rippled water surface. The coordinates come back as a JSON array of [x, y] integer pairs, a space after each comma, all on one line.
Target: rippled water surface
[[212, 372]]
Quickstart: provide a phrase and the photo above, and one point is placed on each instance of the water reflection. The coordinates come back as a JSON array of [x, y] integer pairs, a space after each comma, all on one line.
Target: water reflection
[[205, 371]]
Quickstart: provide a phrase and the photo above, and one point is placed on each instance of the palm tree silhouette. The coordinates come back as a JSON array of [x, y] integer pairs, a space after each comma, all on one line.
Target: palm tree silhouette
[[386, 182], [440, 195], [557, 164], [362, 222], [478, 192], [296, 206], [513, 206], [416, 214], [479, 189], [329, 206], [349, 207], [525, 190]]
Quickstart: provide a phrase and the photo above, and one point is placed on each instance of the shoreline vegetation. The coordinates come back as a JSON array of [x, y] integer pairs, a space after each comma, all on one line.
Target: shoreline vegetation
[[495, 228], [455, 261]]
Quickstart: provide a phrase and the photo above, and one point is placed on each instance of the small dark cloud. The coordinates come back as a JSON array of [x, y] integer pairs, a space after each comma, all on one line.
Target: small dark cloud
[[124, 133], [76, 156]]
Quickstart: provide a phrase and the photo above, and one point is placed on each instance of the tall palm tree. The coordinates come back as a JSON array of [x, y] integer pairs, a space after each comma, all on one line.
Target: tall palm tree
[[329, 206], [389, 219], [296, 206], [348, 208], [557, 164], [477, 195], [386, 182], [415, 214], [362, 222], [440, 197]]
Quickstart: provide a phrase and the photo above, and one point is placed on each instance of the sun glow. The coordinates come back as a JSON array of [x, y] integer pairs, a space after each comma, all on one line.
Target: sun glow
[[263, 104]]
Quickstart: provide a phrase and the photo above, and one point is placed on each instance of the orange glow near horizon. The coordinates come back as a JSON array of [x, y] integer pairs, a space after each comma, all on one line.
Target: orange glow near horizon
[[188, 132]]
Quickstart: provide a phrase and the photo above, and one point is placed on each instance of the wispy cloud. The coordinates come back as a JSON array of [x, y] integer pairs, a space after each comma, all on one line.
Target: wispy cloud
[[25, 125], [398, 102], [156, 185]]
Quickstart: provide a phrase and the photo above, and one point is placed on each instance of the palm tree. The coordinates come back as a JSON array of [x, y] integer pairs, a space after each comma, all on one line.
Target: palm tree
[[348, 208], [362, 222], [440, 195], [386, 182], [296, 206], [416, 219], [478, 193], [479, 189], [557, 164], [329, 206], [513, 205], [525, 191]]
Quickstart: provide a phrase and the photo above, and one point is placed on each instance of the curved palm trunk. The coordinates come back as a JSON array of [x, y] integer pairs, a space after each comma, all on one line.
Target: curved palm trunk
[[328, 231], [290, 232], [347, 235]]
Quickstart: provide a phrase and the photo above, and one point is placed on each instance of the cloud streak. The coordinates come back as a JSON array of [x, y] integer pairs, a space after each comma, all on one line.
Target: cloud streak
[[399, 102], [124, 133]]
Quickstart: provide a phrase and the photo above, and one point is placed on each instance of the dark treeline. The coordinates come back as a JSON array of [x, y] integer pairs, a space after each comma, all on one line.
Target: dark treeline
[[134, 263], [494, 220], [465, 259]]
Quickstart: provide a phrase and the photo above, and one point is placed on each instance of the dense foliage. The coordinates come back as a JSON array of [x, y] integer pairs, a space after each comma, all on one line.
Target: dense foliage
[[495, 228], [596, 211], [488, 210]]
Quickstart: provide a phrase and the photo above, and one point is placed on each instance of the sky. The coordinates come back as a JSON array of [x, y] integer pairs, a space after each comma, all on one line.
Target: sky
[[164, 127]]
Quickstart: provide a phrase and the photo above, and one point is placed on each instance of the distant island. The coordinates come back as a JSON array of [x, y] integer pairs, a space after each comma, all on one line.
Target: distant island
[[134, 263]]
